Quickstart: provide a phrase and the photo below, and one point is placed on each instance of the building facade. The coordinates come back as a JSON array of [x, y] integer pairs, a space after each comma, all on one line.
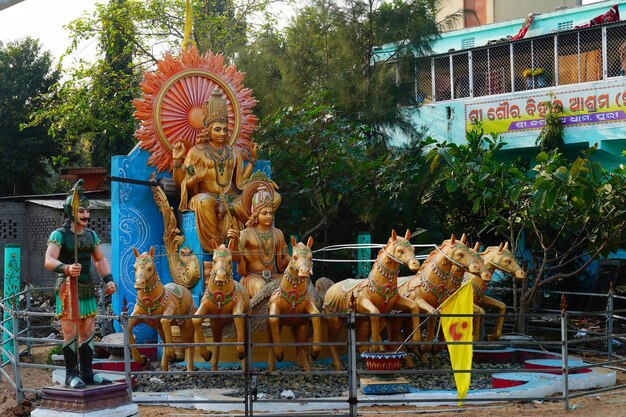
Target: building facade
[[481, 75], [485, 12]]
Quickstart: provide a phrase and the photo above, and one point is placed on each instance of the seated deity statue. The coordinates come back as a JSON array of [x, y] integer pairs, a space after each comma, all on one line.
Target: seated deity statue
[[211, 175], [262, 254]]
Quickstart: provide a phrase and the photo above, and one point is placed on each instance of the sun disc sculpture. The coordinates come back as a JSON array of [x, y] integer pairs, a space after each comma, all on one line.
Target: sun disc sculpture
[[172, 98]]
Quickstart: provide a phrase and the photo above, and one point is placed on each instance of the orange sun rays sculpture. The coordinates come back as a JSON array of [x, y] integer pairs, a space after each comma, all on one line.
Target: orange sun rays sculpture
[[170, 106]]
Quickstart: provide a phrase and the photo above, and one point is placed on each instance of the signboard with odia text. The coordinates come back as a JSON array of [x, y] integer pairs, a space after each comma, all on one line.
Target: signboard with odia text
[[525, 111]]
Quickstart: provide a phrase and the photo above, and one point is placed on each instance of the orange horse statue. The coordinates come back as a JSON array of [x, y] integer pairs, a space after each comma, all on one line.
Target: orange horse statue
[[439, 277], [376, 294], [502, 259], [293, 297], [156, 299], [223, 295]]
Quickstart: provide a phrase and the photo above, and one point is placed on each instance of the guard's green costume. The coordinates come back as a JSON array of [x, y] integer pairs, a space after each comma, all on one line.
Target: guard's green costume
[[87, 242]]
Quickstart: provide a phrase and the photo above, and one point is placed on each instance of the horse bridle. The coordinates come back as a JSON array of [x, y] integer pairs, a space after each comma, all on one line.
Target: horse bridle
[[152, 280], [396, 243], [497, 265], [451, 260]]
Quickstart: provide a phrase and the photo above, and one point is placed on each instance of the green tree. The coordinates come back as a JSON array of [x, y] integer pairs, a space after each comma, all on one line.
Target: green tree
[[569, 213], [92, 113], [332, 47], [26, 75], [319, 161]]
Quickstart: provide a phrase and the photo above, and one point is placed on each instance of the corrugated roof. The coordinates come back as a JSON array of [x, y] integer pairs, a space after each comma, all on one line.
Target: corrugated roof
[[58, 204]]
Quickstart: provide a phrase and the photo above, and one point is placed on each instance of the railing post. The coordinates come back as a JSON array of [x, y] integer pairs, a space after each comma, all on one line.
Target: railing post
[[352, 371], [564, 355], [19, 395], [609, 323], [248, 363], [27, 319], [127, 356], [102, 310]]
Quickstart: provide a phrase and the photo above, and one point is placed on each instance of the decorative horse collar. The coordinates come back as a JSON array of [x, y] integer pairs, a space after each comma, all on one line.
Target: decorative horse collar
[[439, 291], [220, 299], [385, 291], [293, 297], [152, 304], [388, 273]]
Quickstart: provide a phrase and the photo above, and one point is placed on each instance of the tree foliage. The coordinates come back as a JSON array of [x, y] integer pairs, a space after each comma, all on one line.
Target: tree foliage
[[567, 213], [26, 74], [331, 46]]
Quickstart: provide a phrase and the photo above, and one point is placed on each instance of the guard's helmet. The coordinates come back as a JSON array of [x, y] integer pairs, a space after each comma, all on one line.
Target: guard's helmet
[[83, 201]]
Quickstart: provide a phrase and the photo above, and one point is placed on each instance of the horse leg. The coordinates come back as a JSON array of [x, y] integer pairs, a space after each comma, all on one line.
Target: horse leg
[[240, 329], [477, 321], [366, 306], [164, 358], [273, 326], [187, 334], [500, 307], [406, 304], [271, 357], [394, 328], [333, 327], [317, 330], [168, 352], [301, 336], [217, 326], [430, 334], [362, 335], [137, 357], [199, 334]]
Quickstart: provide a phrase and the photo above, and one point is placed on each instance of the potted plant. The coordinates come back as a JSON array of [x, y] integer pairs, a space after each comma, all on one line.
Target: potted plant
[[535, 77]]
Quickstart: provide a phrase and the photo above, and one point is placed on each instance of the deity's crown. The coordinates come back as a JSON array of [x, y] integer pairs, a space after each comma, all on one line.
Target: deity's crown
[[215, 109], [262, 198]]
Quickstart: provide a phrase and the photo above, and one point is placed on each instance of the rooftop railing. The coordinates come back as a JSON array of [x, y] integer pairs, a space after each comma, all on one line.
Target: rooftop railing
[[563, 58]]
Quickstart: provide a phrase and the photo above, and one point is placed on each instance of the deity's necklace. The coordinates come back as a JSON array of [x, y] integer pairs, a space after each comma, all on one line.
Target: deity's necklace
[[266, 243], [220, 158]]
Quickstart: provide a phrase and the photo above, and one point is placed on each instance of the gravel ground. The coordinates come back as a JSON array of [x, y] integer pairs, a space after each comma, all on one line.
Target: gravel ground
[[313, 386]]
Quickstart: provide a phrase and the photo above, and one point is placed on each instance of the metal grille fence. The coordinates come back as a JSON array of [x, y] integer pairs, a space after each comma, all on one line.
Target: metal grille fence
[[570, 57], [561, 338]]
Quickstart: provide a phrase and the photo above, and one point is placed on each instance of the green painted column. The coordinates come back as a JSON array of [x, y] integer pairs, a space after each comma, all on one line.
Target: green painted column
[[364, 254], [11, 287]]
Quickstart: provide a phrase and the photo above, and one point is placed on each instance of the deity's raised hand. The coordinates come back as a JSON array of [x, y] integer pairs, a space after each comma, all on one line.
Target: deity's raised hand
[[233, 234], [179, 150]]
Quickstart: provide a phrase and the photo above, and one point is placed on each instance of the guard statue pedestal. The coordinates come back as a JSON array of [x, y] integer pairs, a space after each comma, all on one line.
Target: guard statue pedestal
[[111, 400]]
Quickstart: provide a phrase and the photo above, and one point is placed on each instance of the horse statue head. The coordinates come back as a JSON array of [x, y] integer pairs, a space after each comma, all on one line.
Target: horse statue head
[[461, 256], [400, 250], [501, 258], [301, 263], [221, 269], [145, 270]]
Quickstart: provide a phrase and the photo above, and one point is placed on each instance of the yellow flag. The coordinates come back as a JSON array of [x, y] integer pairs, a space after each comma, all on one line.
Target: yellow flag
[[459, 329], [188, 25]]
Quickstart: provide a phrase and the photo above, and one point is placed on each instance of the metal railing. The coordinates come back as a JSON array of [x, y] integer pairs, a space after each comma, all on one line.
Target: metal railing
[[566, 57], [560, 339]]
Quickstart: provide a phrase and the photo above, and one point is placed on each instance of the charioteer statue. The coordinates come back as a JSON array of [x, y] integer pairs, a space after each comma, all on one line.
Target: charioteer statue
[[70, 251]]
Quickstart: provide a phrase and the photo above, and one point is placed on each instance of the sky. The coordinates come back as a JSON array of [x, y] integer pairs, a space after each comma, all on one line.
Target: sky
[[44, 19]]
